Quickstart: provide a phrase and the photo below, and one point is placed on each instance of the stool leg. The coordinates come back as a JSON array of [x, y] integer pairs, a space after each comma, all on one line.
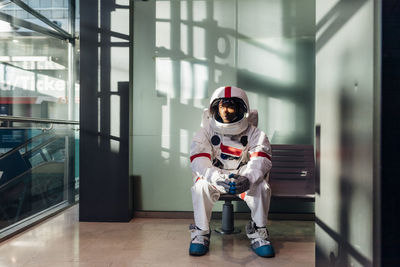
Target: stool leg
[[227, 217], [227, 220]]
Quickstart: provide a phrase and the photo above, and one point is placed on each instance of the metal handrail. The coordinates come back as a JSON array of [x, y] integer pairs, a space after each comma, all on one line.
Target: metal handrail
[[37, 120], [31, 26]]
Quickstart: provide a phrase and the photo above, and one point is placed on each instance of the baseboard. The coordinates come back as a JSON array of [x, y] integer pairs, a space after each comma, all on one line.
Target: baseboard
[[164, 214], [218, 215], [292, 216]]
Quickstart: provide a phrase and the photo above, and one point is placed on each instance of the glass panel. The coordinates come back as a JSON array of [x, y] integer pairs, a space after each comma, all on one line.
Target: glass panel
[[77, 16], [39, 163], [37, 174], [33, 76], [184, 50], [56, 11]]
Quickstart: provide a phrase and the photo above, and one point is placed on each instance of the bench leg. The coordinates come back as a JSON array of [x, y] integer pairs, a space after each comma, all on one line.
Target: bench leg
[[227, 220]]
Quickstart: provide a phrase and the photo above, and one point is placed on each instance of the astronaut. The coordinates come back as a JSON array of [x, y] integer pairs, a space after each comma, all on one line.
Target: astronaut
[[229, 154]]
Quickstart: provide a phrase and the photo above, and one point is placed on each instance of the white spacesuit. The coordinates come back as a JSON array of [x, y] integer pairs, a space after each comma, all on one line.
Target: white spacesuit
[[223, 152]]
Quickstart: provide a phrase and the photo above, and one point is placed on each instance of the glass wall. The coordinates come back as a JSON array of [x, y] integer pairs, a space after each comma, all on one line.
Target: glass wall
[[37, 175], [184, 50], [39, 104], [35, 61]]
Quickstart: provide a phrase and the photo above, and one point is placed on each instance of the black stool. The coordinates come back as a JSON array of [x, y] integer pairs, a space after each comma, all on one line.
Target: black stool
[[228, 226]]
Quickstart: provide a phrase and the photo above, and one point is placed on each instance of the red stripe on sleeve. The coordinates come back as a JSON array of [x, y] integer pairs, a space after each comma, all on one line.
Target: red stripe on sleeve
[[242, 195], [260, 154], [228, 92], [231, 150], [200, 155]]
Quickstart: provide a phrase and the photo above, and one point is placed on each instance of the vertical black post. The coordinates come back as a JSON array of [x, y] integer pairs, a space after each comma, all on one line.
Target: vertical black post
[[104, 159], [390, 132]]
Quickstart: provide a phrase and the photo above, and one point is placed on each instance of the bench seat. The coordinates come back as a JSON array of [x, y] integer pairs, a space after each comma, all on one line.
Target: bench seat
[[292, 173]]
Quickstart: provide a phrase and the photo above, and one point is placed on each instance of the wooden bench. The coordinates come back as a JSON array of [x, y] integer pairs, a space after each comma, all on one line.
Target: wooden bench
[[291, 176]]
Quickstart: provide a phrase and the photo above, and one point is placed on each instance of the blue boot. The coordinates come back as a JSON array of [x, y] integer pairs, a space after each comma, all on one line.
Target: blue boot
[[259, 239], [200, 241]]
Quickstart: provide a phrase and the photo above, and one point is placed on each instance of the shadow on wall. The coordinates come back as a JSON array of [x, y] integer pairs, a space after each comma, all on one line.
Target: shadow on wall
[[294, 90], [347, 251], [349, 178], [334, 20], [348, 244], [196, 53], [186, 49]]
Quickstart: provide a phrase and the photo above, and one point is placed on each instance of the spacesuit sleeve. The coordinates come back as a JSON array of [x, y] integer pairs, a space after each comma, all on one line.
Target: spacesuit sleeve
[[260, 157], [200, 158]]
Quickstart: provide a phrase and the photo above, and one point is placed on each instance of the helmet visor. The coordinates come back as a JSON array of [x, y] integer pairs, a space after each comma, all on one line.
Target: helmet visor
[[228, 110]]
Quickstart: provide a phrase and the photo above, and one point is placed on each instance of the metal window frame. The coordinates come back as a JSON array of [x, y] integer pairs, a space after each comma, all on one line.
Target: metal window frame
[[37, 120], [31, 26], [45, 20]]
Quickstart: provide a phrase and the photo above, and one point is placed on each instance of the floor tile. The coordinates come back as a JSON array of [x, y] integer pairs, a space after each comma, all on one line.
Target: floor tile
[[63, 241]]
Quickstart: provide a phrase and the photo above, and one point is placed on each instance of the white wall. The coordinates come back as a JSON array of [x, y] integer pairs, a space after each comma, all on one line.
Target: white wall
[[344, 110]]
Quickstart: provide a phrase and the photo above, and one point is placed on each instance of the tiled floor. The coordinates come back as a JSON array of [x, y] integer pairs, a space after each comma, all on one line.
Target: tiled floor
[[63, 241]]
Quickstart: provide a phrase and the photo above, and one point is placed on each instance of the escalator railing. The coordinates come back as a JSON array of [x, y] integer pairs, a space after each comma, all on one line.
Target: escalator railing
[[16, 160], [38, 175]]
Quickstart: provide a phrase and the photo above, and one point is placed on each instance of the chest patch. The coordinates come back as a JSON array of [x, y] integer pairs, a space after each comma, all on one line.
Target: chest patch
[[215, 140], [228, 157], [244, 140], [231, 150]]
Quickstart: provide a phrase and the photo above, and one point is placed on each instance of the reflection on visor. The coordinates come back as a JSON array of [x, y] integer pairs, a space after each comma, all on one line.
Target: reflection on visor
[[229, 101], [237, 103]]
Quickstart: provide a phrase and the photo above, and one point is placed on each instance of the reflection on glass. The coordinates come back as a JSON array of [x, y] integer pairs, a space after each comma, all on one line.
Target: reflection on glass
[[34, 173], [33, 76], [10, 138], [55, 10], [34, 67]]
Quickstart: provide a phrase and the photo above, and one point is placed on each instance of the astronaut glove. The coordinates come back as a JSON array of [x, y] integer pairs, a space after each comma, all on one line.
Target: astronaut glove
[[227, 185], [242, 183]]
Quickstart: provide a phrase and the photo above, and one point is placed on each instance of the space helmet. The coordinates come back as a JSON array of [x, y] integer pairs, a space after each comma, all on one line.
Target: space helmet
[[232, 96]]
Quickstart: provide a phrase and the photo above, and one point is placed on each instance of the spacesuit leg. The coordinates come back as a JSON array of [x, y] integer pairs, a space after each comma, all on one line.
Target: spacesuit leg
[[204, 195], [258, 199]]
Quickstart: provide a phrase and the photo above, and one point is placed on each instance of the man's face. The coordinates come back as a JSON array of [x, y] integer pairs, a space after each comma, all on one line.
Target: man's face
[[227, 111]]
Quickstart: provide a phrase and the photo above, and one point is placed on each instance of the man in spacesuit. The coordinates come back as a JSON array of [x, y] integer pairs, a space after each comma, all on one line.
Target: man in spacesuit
[[229, 154]]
